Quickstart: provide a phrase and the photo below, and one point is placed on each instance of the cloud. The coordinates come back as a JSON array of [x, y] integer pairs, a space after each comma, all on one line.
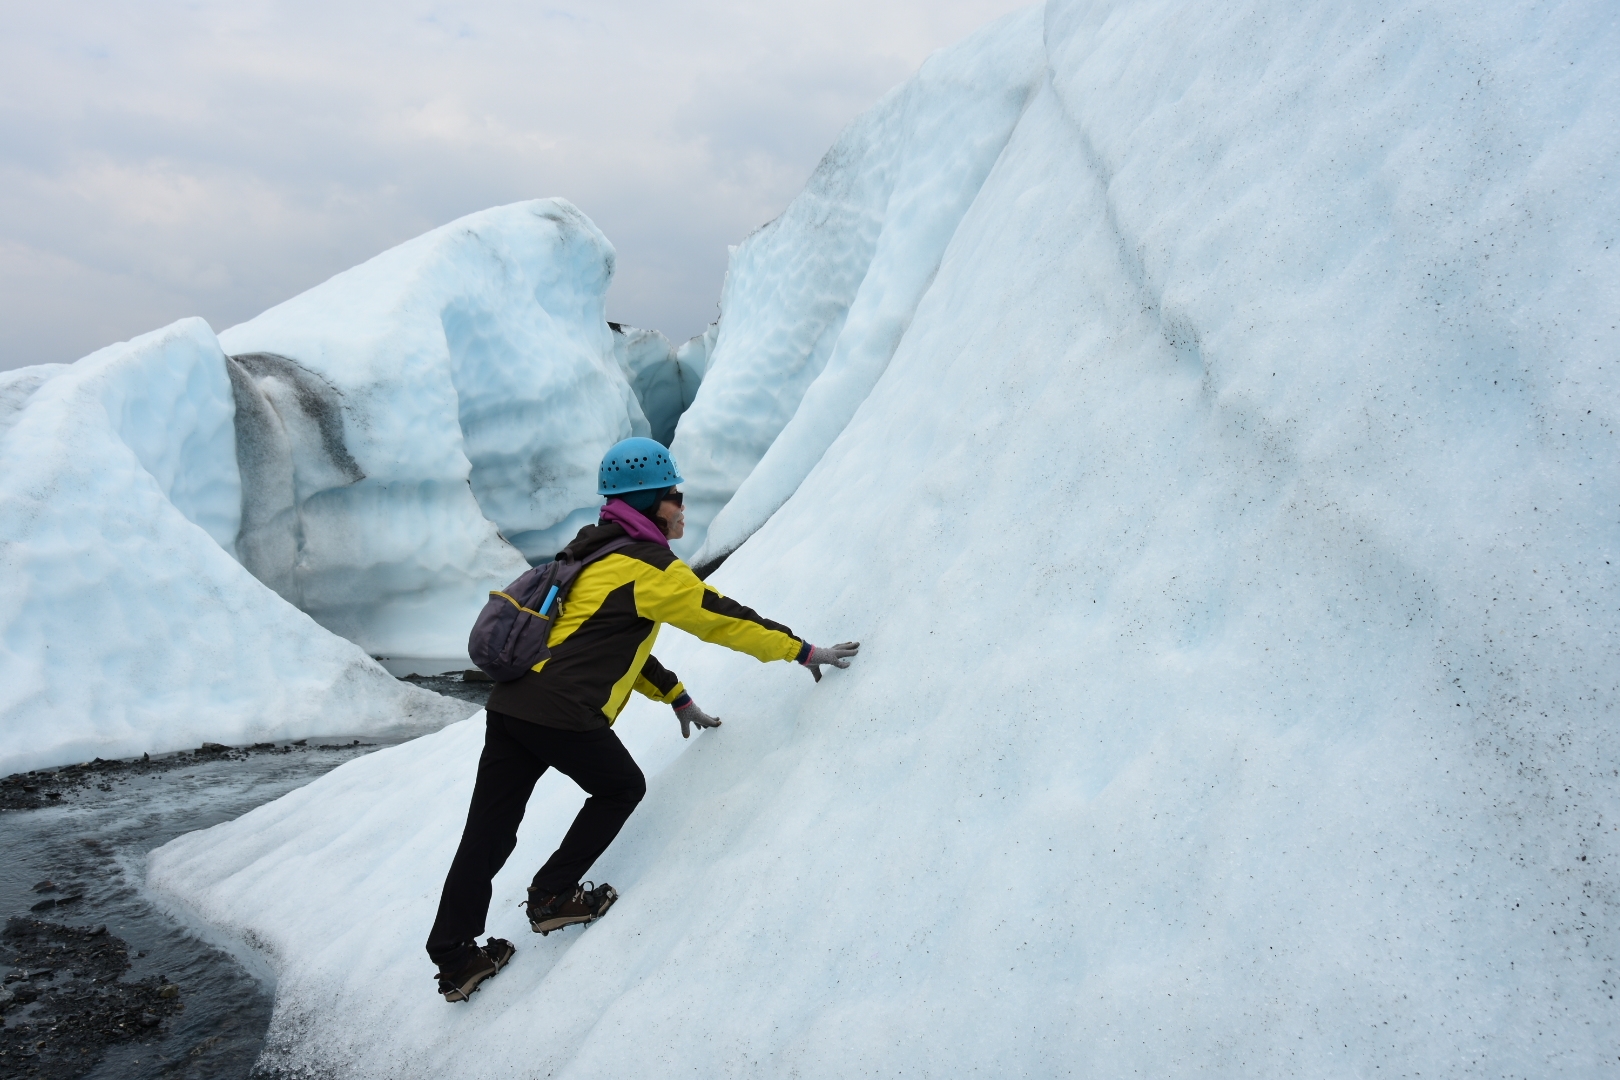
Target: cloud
[[168, 159]]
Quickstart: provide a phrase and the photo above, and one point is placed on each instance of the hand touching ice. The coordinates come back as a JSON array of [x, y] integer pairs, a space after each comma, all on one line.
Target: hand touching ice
[[838, 656], [690, 714]]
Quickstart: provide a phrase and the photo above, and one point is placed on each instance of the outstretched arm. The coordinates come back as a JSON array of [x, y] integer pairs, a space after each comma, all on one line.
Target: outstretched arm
[[675, 595]]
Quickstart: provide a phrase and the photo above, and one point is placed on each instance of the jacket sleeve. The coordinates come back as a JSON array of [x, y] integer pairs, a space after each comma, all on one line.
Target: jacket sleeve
[[658, 682], [675, 595]]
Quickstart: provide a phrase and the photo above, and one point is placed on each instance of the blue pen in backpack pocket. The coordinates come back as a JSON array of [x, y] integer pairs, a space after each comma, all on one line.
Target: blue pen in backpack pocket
[[550, 596]]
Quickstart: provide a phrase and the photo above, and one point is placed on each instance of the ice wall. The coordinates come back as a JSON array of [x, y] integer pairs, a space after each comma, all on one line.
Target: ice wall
[[424, 422], [127, 626], [665, 379], [693, 356], [1230, 537], [815, 303]]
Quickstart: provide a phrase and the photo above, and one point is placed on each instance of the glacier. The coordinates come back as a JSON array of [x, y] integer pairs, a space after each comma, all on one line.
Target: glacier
[[425, 425], [373, 455], [665, 377], [815, 303], [1225, 498], [126, 626]]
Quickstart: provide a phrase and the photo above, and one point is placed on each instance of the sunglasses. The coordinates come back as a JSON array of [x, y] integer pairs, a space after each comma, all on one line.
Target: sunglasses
[[675, 497]]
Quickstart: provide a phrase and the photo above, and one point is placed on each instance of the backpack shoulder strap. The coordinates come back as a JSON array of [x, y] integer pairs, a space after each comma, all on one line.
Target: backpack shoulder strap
[[609, 548], [566, 576]]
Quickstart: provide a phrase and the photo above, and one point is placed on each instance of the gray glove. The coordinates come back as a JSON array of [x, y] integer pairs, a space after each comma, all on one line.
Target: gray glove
[[838, 656], [694, 715]]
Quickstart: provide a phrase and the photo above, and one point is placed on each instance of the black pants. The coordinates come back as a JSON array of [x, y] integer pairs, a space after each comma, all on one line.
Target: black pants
[[516, 753]]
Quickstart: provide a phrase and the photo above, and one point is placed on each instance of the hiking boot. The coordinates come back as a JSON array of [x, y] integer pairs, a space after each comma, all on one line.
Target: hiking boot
[[459, 978], [580, 905]]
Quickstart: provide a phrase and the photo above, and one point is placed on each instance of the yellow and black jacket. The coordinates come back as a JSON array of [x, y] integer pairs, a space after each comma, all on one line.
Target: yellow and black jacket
[[601, 645]]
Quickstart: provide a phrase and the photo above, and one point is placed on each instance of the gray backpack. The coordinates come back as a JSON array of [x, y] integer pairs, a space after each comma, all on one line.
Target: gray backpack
[[513, 631]]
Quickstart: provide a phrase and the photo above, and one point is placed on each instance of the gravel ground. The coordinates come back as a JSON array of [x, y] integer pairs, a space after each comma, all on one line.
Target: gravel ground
[[98, 983], [66, 1002]]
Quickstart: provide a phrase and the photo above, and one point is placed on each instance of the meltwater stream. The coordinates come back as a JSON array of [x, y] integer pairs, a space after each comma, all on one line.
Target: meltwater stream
[[72, 867]]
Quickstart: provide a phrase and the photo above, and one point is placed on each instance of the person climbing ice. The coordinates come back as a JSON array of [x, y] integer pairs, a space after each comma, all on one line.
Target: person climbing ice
[[560, 713]]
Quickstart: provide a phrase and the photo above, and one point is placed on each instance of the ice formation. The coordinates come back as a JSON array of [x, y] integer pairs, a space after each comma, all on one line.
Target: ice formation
[[1230, 537], [815, 303], [378, 451], [17, 388], [127, 625], [664, 378], [693, 356], [419, 425]]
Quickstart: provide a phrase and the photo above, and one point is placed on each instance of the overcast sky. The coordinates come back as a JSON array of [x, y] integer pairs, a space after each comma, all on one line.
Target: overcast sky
[[164, 159]]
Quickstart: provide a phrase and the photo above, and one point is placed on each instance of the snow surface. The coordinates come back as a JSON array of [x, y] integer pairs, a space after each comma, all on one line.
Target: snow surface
[[125, 624], [1230, 537], [422, 423]]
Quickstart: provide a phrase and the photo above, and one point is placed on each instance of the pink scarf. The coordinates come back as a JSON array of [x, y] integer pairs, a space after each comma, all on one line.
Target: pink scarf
[[636, 524]]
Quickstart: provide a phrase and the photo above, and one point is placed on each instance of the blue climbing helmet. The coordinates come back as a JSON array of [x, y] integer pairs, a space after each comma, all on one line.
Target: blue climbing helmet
[[636, 465]]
